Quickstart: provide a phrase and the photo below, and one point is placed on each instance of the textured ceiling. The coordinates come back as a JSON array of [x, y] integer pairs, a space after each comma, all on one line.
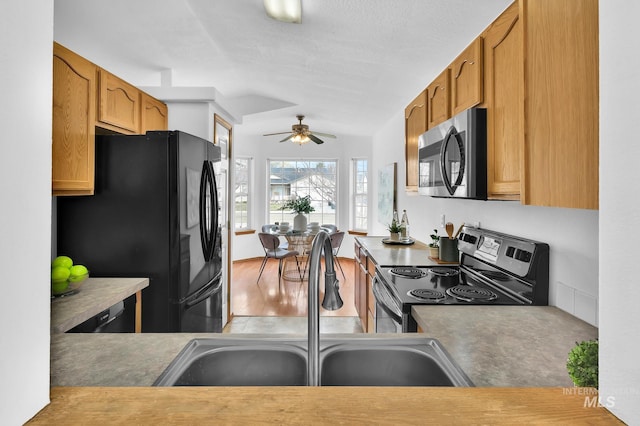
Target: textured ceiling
[[349, 67]]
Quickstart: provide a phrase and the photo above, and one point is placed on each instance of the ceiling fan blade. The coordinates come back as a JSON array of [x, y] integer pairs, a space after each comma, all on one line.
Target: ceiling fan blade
[[315, 139], [326, 135], [279, 133], [287, 138]]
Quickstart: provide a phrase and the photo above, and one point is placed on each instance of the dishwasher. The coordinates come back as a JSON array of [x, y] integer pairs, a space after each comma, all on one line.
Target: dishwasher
[[119, 318]]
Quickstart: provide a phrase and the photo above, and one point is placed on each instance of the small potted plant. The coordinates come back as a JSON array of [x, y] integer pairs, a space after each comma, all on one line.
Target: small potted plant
[[434, 245], [394, 230], [582, 364], [301, 206]]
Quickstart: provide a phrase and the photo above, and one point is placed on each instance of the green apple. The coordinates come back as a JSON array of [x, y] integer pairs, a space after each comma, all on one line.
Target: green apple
[[59, 286], [78, 273], [60, 273], [64, 261]]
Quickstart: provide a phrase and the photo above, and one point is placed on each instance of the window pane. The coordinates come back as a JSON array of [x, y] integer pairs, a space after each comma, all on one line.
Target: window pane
[[289, 179]]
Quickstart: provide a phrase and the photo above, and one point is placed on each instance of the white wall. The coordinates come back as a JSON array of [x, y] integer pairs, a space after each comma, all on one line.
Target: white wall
[[26, 34], [260, 148], [619, 208], [571, 233]]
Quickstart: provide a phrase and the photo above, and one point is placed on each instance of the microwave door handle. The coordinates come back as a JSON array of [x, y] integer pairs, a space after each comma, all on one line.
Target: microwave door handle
[[443, 166]]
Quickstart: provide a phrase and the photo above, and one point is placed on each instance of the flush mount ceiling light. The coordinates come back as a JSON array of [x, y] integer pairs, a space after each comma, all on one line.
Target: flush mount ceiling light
[[284, 10]]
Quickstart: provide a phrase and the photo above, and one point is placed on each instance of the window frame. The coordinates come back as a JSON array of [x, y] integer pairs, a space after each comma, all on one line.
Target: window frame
[[353, 205], [248, 193], [267, 203]]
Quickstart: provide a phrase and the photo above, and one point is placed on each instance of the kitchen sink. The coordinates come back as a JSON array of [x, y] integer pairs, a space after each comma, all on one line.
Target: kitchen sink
[[224, 362], [418, 362], [367, 361]]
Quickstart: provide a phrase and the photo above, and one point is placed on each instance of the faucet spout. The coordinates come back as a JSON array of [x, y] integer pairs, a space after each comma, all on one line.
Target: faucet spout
[[332, 300]]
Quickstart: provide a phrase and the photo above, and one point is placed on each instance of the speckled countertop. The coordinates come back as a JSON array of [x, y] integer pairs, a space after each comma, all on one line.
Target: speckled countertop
[[95, 295], [524, 346], [416, 254]]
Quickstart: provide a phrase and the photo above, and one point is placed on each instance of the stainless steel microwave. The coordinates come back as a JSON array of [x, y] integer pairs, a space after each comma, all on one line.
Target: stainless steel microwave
[[453, 157]]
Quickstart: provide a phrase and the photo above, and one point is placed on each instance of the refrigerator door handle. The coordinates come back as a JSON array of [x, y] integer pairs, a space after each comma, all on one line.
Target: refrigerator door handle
[[205, 292], [215, 205], [205, 237]]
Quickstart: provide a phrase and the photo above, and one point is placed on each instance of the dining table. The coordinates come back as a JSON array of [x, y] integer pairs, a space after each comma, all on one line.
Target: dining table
[[300, 241]]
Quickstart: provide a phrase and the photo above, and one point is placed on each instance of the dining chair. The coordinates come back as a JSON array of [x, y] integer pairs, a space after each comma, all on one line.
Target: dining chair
[[270, 244], [336, 242], [270, 229], [330, 228]]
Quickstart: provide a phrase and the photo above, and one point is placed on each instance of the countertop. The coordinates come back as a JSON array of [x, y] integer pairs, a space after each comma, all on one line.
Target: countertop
[[95, 295], [416, 254], [507, 345], [322, 405]]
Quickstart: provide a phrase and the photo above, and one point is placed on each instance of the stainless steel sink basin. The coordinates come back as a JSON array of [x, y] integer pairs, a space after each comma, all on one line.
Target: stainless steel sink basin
[[366, 361], [220, 362], [372, 362]]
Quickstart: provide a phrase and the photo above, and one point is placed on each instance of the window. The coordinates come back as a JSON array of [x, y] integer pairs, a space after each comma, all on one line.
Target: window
[[241, 193], [359, 167], [299, 178]]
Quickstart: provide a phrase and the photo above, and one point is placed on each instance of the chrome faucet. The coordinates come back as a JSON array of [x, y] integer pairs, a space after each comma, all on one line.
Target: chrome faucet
[[332, 300]]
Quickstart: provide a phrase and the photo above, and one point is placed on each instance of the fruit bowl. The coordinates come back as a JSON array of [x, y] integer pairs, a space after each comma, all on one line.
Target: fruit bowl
[[68, 286]]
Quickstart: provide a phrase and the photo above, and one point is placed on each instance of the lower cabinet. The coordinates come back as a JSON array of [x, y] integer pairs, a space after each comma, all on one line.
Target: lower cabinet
[[364, 299]]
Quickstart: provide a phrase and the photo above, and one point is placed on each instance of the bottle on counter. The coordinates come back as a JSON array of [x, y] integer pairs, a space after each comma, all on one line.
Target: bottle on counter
[[404, 226]]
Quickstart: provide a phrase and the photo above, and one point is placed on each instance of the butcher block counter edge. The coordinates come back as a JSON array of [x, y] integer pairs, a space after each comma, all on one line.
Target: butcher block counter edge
[[308, 405], [95, 295]]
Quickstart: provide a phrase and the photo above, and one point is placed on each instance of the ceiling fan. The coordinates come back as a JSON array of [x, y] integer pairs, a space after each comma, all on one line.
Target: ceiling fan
[[301, 134]]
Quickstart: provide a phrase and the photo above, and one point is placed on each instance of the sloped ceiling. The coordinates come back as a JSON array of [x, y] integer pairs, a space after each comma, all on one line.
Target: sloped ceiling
[[349, 67]]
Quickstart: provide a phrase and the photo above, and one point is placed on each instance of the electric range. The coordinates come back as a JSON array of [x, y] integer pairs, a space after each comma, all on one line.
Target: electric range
[[495, 269]]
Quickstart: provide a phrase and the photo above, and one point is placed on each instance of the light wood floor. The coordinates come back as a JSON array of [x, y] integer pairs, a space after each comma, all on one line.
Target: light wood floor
[[266, 298]]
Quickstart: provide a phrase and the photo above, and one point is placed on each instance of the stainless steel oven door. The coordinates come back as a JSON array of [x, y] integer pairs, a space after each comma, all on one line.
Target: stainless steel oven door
[[388, 314]]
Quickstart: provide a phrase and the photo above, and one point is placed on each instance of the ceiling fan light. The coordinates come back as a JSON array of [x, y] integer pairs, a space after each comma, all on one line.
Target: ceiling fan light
[[300, 139], [284, 10]]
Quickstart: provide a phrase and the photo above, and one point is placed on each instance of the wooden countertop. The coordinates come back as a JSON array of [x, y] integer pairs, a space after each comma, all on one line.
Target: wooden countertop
[[506, 345], [322, 405], [95, 295]]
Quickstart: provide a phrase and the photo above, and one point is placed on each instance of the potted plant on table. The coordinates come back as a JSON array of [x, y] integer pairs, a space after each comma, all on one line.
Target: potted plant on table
[[582, 364], [394, 230], [434, 245], [301, 206]]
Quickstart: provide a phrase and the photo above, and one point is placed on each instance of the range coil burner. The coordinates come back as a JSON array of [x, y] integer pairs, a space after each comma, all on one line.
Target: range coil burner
[[408, 272], [427, 294], [444, 271], [471, 294]]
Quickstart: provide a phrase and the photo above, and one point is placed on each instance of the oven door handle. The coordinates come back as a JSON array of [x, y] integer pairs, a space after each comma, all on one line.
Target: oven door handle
[[385, 300]]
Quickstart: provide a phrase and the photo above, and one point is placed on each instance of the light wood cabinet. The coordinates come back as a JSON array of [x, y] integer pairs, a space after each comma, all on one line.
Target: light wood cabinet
[[438, 102], [541, 92], [504, 93], [73, 130], [118, 104], [466, 78], [561, 103], [363, 296], [153, 114], [415, 124]]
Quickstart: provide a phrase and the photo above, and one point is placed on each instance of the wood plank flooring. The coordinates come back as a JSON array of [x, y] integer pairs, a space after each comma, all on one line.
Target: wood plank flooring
[[267, 298]]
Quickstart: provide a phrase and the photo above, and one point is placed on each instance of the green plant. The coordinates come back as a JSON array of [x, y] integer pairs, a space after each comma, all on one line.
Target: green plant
[[435, 239], [299, 205], [394, 227], [582, 364]]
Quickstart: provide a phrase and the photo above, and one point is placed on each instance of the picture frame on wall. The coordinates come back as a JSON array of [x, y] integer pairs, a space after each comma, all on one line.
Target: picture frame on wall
[[222, 133], [387, 197]]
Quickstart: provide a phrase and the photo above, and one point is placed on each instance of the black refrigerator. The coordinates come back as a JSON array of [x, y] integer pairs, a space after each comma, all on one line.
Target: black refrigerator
[[155, 213]]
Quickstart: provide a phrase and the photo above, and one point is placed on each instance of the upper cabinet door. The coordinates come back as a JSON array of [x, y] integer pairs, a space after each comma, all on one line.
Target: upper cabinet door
[[154, 114], [504, 94], [415, 124], [438, 100], [74, 114], [118, 104], [466, 78]]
